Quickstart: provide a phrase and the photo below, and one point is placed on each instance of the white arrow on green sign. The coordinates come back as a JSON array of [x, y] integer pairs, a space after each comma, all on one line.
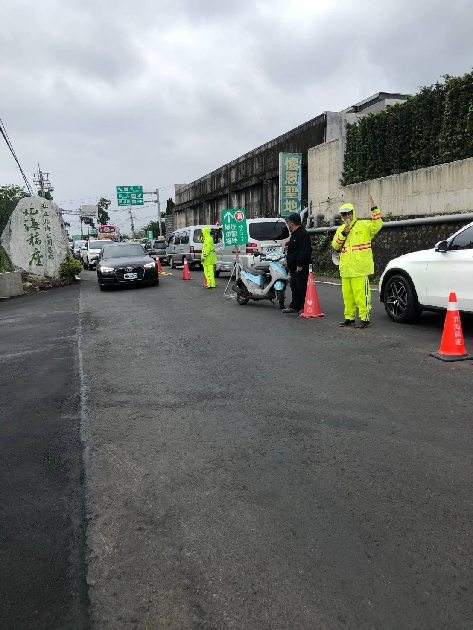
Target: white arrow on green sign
[[234, 227], [130, 195]]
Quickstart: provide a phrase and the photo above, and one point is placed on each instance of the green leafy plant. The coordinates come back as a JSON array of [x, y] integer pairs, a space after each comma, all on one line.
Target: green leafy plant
[[69, 267], [433, 127], [322, 242], [4, 263]]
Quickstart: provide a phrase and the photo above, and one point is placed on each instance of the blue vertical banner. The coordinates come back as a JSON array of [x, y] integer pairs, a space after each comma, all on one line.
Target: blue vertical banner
[[290, 183]]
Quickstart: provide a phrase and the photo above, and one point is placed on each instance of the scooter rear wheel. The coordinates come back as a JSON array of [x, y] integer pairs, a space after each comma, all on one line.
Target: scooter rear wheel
[[280, 296]]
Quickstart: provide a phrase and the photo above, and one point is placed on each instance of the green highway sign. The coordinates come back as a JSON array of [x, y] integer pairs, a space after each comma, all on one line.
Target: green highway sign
[[76, 237], [130, 195], [235, 230], [93, 232], [150, 234]]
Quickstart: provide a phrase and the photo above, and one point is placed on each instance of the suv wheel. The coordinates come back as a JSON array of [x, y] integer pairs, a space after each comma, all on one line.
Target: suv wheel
[[400, 299]]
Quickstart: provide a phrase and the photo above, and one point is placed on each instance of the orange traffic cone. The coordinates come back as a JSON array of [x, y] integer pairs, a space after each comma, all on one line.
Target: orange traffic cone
[[311, 306], [186, 274], [452, 346], [158, 265]]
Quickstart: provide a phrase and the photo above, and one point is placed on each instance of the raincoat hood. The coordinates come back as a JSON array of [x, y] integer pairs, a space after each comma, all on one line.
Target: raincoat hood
[[206, 232], [351, 207]]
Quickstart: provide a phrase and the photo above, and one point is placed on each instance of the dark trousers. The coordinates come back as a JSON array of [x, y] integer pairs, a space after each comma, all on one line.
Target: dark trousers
[[299, 288]]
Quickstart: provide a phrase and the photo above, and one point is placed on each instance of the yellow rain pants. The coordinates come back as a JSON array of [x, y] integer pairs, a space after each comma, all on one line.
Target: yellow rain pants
[[356, 294]]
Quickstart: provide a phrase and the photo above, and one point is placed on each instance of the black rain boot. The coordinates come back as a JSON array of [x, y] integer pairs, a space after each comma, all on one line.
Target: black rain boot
[[346, 323]]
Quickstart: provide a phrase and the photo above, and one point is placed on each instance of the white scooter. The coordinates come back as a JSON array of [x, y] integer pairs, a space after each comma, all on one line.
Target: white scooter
[[255, 284]]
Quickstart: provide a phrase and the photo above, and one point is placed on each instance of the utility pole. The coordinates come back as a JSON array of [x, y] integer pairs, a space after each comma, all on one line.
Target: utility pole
[[155, 192], [42, 180], [132, 224], [159, 212]]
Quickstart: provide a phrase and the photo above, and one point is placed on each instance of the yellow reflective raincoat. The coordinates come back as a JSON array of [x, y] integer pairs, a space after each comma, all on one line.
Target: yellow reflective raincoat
[[356, 257], [209, 257]]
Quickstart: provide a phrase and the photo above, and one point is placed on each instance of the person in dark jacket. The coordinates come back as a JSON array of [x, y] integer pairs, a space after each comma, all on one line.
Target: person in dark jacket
[[299, 256]]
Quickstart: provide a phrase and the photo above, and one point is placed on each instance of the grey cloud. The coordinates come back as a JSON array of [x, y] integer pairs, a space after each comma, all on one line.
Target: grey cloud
[[107, 92]]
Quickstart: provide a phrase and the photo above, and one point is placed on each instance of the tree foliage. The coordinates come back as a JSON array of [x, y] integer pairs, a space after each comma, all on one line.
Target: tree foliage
[[433, 127], [153, 226], [104, 217], [9, 197], [169, 206]]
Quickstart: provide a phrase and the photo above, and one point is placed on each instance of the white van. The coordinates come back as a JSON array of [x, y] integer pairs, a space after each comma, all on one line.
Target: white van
[[265, 236], [187, 242]]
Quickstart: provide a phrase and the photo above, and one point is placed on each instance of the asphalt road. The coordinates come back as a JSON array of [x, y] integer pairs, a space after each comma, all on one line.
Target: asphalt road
[[42, 509], [243, 469], [250, 470]]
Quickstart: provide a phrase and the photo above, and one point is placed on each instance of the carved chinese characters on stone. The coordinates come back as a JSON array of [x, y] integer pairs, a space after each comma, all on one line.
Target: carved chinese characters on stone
[[34, 238]]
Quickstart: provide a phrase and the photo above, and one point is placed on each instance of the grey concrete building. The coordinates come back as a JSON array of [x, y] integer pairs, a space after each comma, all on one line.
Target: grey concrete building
[[252, 180]]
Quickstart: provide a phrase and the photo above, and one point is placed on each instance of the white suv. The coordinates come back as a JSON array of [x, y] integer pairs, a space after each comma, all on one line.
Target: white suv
[[265, 236], [423, 280], [90, 253]]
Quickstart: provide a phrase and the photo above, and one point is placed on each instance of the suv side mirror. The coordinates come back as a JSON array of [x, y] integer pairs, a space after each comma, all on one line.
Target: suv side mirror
[[442, 246]]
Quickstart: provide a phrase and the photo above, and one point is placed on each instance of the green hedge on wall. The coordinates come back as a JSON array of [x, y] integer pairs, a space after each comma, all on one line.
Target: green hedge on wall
[[430, 128]]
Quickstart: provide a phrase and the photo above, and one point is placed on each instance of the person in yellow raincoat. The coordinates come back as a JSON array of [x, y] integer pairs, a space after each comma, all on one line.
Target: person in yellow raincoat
[[209, 257], [353, 241]]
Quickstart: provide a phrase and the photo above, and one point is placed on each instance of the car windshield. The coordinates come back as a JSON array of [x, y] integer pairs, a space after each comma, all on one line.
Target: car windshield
[[159, 245], [268, 231], [95, 244], [78, 244], [123, 251]]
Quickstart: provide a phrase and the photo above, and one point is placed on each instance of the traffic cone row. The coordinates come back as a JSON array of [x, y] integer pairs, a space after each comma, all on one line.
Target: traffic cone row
[[311, 305], [186, 274], [452, 345]]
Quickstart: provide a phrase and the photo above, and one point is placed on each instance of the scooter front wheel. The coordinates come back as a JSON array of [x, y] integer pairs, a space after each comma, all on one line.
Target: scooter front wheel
[[280, 296], [241, 299]]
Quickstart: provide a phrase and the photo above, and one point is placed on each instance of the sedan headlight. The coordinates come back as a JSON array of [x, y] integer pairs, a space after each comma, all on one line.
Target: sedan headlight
[[107, 269], [150, 265]]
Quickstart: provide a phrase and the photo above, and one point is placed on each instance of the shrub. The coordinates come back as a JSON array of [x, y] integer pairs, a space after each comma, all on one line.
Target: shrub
[[4, 264], [433, 127], [69, 267]]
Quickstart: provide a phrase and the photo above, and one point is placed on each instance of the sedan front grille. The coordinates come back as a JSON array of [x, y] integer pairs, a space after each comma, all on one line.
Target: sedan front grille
[[120, 272]]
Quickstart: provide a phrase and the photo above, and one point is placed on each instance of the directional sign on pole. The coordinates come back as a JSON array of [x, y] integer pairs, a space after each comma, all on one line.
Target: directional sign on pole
[[235, 230], [130, 195]]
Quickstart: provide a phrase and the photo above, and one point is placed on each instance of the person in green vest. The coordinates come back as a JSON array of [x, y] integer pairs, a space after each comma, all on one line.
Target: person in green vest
[[353, 241], [209, 257]]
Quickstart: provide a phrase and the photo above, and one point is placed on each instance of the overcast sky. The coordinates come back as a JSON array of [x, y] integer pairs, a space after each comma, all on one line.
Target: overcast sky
[[156, 92]]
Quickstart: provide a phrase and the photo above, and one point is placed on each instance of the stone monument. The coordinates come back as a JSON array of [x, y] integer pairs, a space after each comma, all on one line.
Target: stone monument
[[35, 238]]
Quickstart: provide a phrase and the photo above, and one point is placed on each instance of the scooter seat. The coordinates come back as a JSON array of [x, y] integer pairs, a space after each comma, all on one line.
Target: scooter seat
[[256, 272]]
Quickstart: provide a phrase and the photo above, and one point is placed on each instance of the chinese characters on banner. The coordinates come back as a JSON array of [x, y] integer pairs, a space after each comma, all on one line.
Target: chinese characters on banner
[[37, 227], [290, 183], [234, 228]]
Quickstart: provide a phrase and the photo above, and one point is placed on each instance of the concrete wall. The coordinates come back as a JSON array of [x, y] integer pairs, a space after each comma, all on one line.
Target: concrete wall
[[251, 181], [447, 188], [10, 284]]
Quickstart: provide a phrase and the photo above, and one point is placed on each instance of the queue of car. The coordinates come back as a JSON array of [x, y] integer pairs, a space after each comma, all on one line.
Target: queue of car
[[412, 283]]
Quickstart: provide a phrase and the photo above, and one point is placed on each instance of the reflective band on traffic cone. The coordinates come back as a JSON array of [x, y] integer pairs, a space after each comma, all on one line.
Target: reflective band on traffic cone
[[186, 274], [158, 265], [311, 306], [452, 346]]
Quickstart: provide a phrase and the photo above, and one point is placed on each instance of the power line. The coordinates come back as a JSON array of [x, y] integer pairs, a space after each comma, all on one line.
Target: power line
[[3, 131], [75, 201]]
